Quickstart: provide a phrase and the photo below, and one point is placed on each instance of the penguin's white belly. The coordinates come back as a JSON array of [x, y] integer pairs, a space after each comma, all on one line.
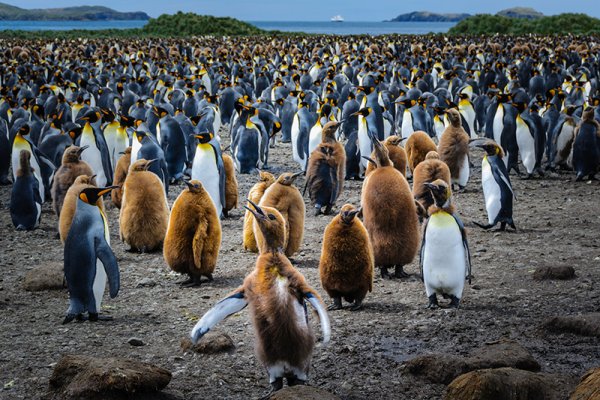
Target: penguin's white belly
[[365, 144], [526, 146], [295, 151], [314, 138], [468, 114], [491, 191], [464, 172], [439, 128], [38, 206], [498, 123], [204, 169], [407, 124], [387, 128], [562, 141], [444, 258], [121, 143], [93, 157], [100, 277], [135, 149]]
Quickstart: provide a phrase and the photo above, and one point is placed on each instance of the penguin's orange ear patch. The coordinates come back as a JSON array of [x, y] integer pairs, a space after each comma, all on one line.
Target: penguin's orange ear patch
[[84, 197]]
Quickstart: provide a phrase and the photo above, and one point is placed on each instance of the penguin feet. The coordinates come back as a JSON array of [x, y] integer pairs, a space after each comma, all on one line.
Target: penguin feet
[[357, 305], [293, 381], [433, 303], [399, 272], [68, 318], [317, 210], [275, 386], [337, 304], [94, 317], [454, 301], [482, 226], [384, 273], [327, 210]]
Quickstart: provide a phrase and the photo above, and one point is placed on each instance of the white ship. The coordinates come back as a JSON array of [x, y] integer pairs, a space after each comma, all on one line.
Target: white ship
[[337, 18]]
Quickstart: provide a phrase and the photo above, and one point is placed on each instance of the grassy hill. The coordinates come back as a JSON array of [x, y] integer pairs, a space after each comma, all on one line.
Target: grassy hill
[[84, 13], [485, 24], [426, 16]]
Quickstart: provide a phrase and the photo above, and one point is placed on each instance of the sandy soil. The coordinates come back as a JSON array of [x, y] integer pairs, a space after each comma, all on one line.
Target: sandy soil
[[558, 221]]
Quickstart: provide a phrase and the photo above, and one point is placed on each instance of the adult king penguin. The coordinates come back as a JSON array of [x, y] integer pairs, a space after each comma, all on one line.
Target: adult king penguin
[[445, 256], [209, 169]]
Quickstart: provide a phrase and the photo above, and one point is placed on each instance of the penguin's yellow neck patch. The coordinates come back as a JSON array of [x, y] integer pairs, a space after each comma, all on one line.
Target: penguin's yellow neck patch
[[87, 129], [441, 219]]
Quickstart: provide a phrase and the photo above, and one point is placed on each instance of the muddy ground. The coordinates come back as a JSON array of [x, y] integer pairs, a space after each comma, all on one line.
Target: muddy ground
[[558, 223]]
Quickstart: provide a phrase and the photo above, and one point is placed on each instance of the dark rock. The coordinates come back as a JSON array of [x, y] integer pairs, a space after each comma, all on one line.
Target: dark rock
[[48, 276], [443, 368], [589, 387], [556, 273], [83, 377], [211, 343], [136, 342], [302, 392], [585, 325], [508, 384], [146, 282]]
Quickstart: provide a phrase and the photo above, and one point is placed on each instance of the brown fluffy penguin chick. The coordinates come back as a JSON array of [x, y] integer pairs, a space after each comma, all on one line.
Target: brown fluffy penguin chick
[[454, 149], [428, 171], [390, 215], [231, 185], [323, 179], [193, 235], [347, 262], [70, 203], [417, 146], [255, 194], [275, 293], [72, 166], [396, 152], [339, 152], [144, 210], [121, 170], [286, 198]]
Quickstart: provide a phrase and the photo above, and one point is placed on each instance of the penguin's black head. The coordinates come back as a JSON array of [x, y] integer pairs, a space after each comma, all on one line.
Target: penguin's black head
[[441, 192], [24, 129], [159, 111], [92, 116], [364, 111], [92, 195], [348, 212], [204, 137], [107, 115], [126, 121], [140, 135], [490, 147]]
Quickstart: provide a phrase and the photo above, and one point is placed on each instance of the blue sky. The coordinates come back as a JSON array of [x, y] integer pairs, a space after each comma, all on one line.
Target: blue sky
[[319, 10]]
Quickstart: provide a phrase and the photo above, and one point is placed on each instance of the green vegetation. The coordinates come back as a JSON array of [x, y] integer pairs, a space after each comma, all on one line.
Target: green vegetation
[[190, 24], [485, 24], [84, 13], [177, 25]]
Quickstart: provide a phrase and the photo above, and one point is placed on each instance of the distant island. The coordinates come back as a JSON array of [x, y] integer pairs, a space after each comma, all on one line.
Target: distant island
[[426, 16], [84, 13]]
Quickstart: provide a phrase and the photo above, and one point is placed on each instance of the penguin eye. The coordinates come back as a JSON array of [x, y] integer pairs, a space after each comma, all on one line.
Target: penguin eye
[[271, 217]]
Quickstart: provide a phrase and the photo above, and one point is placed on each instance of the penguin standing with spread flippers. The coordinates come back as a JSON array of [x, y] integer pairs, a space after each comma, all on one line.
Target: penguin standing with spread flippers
[[277, 294], [445, 256], [497, 189], [208, 168], [25, 200], [89, 260]]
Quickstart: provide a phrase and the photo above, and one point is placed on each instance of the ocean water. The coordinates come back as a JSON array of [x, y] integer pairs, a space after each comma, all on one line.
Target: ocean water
[[356, 28], [68, 25], [327, 27]]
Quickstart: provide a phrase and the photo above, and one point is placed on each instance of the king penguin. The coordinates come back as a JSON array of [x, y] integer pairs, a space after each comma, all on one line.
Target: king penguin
[[209, 169], [586, 149], [445, 256], [97, 155], [497, 190], [89, 260], [25, 200]]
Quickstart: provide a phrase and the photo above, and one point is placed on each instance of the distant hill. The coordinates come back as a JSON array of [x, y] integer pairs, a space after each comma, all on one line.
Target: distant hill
[[520, 12], [426, 16], [84, 13]]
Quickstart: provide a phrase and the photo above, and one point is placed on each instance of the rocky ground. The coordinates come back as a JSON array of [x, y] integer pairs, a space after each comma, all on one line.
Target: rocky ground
[[558, 223]]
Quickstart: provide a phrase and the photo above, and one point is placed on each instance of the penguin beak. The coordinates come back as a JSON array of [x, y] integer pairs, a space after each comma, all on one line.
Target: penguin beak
[[107, 189], [189, 184], [259, 213], [81, 149], [369, 159]]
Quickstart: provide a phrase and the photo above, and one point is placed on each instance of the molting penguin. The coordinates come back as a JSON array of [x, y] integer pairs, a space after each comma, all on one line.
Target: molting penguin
[[454, 149], [209, 169], [120, 175], [286, 198], [586, 149], [276, 293], [193, 235], [497, 190], [88, 245], [445, 256], [394, 233], [396, 152], [72, 166], [347, 262], [25, 200], [256, 193], [144, 210]]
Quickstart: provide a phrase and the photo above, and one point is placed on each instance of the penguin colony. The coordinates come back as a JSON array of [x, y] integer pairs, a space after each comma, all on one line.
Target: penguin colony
[[147, 116]]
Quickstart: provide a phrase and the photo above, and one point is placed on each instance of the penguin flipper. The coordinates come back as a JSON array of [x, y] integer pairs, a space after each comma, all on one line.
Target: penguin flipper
[[108, 259], [220, 168], [36, 192], [323, 317], [232, 304], [463, 233]]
